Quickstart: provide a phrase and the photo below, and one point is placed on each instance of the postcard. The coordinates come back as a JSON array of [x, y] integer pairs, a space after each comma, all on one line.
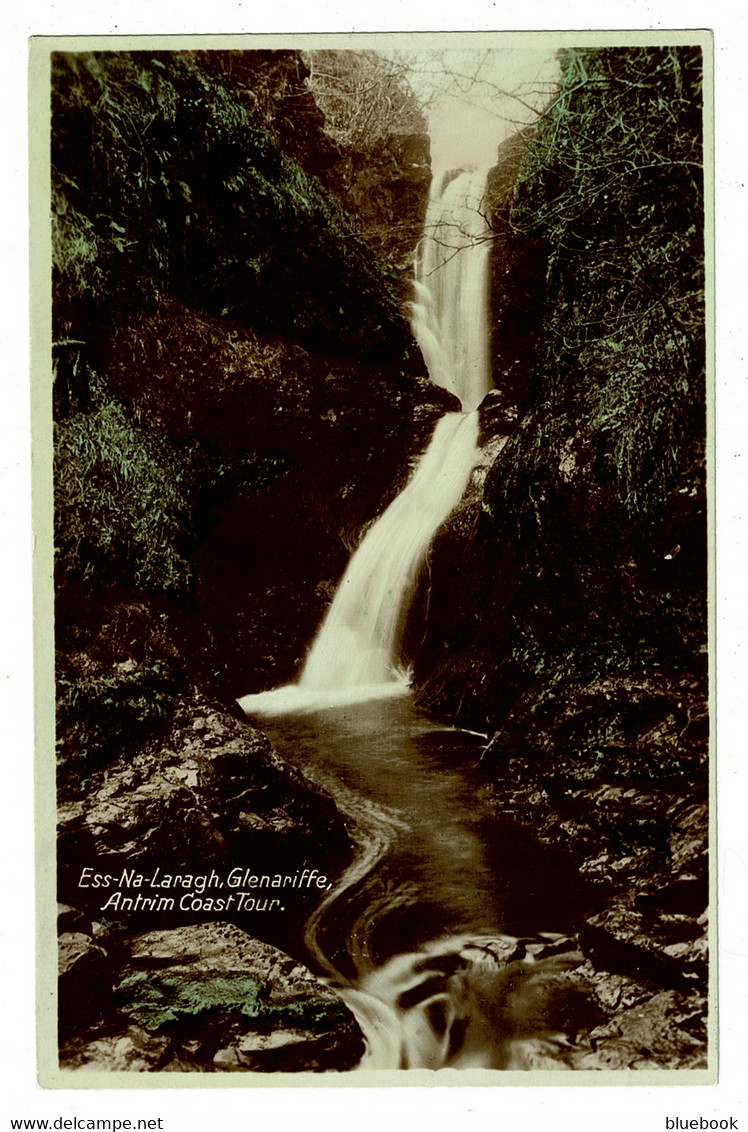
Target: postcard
[[373, 469]]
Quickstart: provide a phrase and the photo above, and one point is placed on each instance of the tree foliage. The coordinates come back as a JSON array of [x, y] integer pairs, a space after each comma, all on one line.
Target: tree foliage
[[364, 96]]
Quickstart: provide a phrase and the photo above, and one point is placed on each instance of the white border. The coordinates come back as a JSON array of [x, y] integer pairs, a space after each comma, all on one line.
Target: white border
[[559, 1109]]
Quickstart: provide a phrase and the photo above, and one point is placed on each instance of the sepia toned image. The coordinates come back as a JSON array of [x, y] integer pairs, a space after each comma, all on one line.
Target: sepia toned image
[[377, 383]]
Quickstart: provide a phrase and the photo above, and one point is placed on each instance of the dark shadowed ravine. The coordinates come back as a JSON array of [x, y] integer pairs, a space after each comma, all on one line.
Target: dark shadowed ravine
[[380, 571], [417, 933]]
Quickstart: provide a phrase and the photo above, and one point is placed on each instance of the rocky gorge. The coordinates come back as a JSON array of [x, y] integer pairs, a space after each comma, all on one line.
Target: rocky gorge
[[237, 395]]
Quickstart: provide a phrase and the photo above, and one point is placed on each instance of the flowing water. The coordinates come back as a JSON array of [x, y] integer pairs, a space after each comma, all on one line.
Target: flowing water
[[355, 653], [434, 936], [445, 935], [451, 312]]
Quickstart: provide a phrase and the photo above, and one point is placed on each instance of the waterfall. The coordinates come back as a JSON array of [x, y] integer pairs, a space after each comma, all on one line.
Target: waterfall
[[425, 934], [451, 312], [355, 654]]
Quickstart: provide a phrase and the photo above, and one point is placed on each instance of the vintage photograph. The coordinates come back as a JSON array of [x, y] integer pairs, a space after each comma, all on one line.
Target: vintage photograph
[[378, 386]]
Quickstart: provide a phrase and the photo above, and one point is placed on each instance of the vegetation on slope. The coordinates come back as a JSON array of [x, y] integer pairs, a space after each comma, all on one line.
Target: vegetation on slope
[[176, 207], [613, 181], [166, 182], [589, 535]]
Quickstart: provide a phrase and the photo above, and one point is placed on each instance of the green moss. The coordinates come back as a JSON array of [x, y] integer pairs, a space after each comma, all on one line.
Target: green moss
[[129, 501], [618, 763], [165, 182], [612, 179], [160, 1001], [123, 502]]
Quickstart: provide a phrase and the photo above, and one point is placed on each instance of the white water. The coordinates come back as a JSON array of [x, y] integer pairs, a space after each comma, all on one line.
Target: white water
[[454, 986], [451, 312], [358, 639]]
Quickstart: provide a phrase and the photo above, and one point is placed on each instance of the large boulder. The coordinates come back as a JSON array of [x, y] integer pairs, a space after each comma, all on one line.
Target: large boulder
[[207, 795], [209, 997]]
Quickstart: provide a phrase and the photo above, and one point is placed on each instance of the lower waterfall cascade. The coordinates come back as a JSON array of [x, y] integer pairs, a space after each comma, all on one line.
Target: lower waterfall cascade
[[354, 655]]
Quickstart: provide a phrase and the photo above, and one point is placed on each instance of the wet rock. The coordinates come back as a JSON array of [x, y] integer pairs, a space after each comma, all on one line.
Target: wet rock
[[550, 945], [496, 417], [635, 730], [518, 271], [287, 1051], [664, 1032], [668, 948], [614, 773], [686, 892], [500, 950], [72, 920], [613, 991], [689, 838], [196, 798], [135, 1051]]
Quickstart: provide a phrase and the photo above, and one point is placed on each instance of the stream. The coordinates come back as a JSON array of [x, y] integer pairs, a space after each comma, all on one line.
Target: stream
[[436, 934]]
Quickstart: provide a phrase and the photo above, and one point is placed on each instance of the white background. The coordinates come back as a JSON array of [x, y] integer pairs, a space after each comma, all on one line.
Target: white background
[[507, 1108]]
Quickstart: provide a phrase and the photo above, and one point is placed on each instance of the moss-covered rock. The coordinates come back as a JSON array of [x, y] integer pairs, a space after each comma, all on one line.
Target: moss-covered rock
[[585, 554], [211, 998]]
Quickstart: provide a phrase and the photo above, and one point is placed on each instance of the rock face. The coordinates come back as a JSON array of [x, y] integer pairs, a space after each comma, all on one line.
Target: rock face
[[210, 998], [383, 167], [518, 271], [84, 984], [379, 171], [386, 188], [638, 833], [172, 828], [558, 1012], [343, 435]]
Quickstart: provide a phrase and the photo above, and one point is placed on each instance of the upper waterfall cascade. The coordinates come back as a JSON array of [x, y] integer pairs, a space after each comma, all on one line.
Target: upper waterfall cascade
[[451, 310]]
